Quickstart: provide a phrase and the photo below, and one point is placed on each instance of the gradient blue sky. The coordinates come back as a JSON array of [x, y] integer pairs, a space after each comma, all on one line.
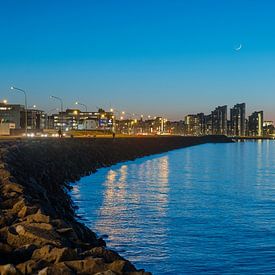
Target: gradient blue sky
[[148, 56]]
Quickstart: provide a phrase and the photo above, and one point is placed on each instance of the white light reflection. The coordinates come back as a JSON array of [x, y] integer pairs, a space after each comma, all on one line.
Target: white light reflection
[[135, 203]]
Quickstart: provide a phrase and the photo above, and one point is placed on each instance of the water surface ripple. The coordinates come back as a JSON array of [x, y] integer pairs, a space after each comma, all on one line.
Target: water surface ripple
[[205, 209]]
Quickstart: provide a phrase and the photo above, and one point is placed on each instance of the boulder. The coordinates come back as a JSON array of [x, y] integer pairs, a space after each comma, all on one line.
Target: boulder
[[55, 255], [109, 256], [18, 205], [87, 266], [108, 272], [8, 269], [31, 266], [26, 211], [38, 217], [57, 269], [23, 253], [121, 266], [38, 234], [9, 187]]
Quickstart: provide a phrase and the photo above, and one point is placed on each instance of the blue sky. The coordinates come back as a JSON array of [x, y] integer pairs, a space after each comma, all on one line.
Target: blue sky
[[153, 57]]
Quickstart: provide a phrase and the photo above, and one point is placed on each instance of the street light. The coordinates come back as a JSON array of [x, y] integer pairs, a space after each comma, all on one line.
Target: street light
[[61, 105], [32, 107], [78, 103], [26, 106], [5, 101]]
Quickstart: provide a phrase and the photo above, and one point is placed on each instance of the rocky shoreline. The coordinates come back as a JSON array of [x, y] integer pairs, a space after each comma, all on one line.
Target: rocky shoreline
[[39, 233]]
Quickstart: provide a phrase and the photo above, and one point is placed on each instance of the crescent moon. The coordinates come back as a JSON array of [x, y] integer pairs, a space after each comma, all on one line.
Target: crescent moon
[[238, 48]]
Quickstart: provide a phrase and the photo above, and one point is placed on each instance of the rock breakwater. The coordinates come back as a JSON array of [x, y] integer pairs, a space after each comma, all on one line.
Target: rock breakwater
[[39, 233]]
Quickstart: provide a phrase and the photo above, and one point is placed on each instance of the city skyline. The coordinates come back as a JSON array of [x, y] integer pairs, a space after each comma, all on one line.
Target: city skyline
[[238, 123], [124, 55]]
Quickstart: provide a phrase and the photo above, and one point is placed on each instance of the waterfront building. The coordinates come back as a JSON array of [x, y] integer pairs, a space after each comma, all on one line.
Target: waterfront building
[[237, 119], [36, 119], [255, 123], [176, 127], [195, 124], [13, 113], [219, 120], [208, 124], [268, 128], [74, 119]]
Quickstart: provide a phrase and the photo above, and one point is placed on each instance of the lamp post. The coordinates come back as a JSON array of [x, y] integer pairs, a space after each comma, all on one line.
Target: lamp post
[[26, 106], [86, 110], [61, 106]]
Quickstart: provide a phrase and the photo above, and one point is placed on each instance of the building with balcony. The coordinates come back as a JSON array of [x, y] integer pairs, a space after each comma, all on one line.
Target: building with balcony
[[237, 120], [219, 120], [255, 124]]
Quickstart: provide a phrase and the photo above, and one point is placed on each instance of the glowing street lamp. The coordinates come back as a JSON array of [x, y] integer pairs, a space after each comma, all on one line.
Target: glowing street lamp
[[32, 107], [5, 101], [26, 106], [85, 106]]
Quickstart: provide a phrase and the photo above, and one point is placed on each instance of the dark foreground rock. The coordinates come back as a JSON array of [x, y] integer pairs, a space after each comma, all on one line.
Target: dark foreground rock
[[38, 230]]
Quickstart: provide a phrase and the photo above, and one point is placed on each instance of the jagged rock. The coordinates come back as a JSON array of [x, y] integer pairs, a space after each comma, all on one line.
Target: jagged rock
[[54, 254], [5, 248], [108, 272], [8, 269], [9, 187], [23, 253], [4, 174], [121, 266], [38, 217], [60, 223], [36, 233], [65, 230], [89, 266], [100, 252], [31, 266], [57, 269], [19, 205], [5, 253], [26, 211]]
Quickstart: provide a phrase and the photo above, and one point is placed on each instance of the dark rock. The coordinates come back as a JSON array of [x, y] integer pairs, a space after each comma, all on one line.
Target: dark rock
[[54, 254], [57, 269], [8, 269], [23, 253], [121, 266], [100, 252], [31, 266], [87, 266]]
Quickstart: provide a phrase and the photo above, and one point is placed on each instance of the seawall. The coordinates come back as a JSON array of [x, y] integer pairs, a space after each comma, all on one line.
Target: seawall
[[38, 230]]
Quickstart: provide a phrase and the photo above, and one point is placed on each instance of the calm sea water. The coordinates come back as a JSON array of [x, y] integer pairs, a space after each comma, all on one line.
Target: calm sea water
[[205, 209]]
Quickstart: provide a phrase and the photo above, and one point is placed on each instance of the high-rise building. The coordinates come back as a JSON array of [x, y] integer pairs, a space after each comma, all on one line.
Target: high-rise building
[[219, 120], [195, 124], [208, 124], [255, 123], [237, 119]]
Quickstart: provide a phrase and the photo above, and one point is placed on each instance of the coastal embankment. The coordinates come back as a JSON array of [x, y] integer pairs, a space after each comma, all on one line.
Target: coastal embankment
[[39, 231]]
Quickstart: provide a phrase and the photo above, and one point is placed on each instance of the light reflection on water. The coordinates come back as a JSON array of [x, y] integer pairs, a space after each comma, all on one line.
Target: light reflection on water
[[203, 209]]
